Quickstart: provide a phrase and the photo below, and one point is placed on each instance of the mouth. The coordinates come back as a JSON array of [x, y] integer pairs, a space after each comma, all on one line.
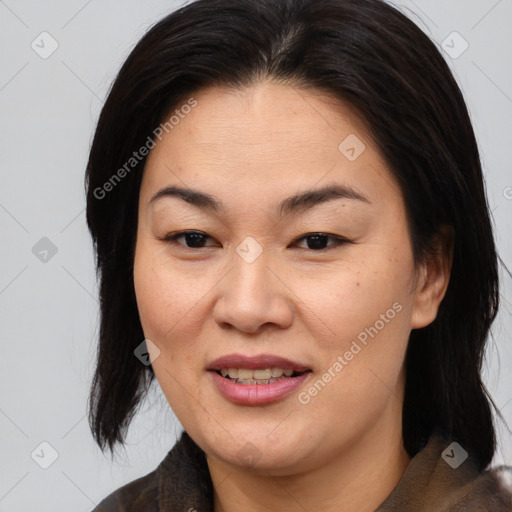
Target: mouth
[[253, 380], [260, 376]]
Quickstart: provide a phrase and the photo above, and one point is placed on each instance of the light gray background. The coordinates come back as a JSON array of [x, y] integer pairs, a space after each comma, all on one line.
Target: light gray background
[[49, 310]]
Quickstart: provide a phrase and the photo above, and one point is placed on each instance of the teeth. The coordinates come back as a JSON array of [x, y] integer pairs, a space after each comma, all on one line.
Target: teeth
[[244, 374], [247, 376], [262, 374], [277, 372]]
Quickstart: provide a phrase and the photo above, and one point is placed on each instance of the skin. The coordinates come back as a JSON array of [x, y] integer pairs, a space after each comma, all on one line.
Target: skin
[[251, 148]]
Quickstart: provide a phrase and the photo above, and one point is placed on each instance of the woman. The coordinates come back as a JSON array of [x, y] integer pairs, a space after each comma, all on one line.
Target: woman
[[292, 236]]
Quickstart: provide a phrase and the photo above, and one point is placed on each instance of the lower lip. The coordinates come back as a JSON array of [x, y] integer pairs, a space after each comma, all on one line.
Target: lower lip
[[257, 394]]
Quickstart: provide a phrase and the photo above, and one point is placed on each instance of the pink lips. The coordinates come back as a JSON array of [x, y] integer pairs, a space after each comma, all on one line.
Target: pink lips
[[256, 394], [256, 363]]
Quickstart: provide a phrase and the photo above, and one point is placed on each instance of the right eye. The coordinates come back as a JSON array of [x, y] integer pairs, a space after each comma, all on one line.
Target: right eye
[[193, 239]]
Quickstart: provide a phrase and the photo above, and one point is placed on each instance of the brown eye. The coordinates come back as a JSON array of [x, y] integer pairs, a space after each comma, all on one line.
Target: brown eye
[[318, 241], [197, 240], [193, 239]]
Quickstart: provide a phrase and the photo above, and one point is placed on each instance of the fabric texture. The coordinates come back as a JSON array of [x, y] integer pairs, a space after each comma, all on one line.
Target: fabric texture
[[182, 483]]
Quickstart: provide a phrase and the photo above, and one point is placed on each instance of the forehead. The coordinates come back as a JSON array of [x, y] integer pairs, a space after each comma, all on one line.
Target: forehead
[[265, 139]]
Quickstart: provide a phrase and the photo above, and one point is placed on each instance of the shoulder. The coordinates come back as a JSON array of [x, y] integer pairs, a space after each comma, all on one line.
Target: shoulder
[[181, 478], [488, 491], [491, 491], [465, 488], [140, 495], [436, 481], [493, 488]]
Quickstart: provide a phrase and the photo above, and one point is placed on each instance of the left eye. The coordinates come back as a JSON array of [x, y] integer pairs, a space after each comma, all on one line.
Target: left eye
[[315, 241]]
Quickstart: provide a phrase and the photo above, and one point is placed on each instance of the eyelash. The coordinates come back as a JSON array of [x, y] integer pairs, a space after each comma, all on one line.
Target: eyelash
[[172, 239]]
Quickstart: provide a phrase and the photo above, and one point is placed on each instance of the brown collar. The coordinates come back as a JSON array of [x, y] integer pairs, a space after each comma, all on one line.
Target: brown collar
[[430, 483]]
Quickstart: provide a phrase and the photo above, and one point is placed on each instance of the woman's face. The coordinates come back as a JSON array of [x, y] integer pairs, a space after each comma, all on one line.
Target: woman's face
[[251, 287]]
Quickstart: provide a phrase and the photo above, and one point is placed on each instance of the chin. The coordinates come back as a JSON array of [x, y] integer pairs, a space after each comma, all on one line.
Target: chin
[[250, 449]]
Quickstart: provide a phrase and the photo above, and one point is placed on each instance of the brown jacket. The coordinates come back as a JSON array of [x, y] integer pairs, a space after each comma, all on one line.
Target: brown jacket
[[182, 483]]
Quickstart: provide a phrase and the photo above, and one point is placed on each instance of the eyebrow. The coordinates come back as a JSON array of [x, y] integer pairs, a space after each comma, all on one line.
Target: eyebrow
[[296, 203]]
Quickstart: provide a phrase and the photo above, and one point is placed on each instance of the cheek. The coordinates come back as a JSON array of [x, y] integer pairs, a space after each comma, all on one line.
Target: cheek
[[341, 302], [367, 309], [165, 296], [363, 356], [169, 304]]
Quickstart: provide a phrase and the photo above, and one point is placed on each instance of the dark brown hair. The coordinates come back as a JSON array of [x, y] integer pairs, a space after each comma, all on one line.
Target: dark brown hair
[[366, 53]]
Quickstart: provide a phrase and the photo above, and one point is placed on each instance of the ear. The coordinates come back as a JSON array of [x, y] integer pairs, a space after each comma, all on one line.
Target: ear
[[433, 276]]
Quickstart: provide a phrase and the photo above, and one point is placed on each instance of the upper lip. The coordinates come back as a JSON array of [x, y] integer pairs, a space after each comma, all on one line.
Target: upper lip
[[258, 362]]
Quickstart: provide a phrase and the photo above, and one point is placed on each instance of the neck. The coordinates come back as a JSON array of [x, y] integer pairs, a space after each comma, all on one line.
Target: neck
[[358, 480]]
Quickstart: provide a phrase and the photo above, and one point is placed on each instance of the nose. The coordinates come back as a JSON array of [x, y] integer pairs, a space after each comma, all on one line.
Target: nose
[[253, 298]]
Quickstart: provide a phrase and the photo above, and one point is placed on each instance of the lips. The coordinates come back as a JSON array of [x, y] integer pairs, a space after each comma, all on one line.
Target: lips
[[259, 362], [260, 391]]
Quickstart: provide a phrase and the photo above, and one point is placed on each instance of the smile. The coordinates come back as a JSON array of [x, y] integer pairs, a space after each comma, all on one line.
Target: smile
[[266, 376], [257, 380]]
